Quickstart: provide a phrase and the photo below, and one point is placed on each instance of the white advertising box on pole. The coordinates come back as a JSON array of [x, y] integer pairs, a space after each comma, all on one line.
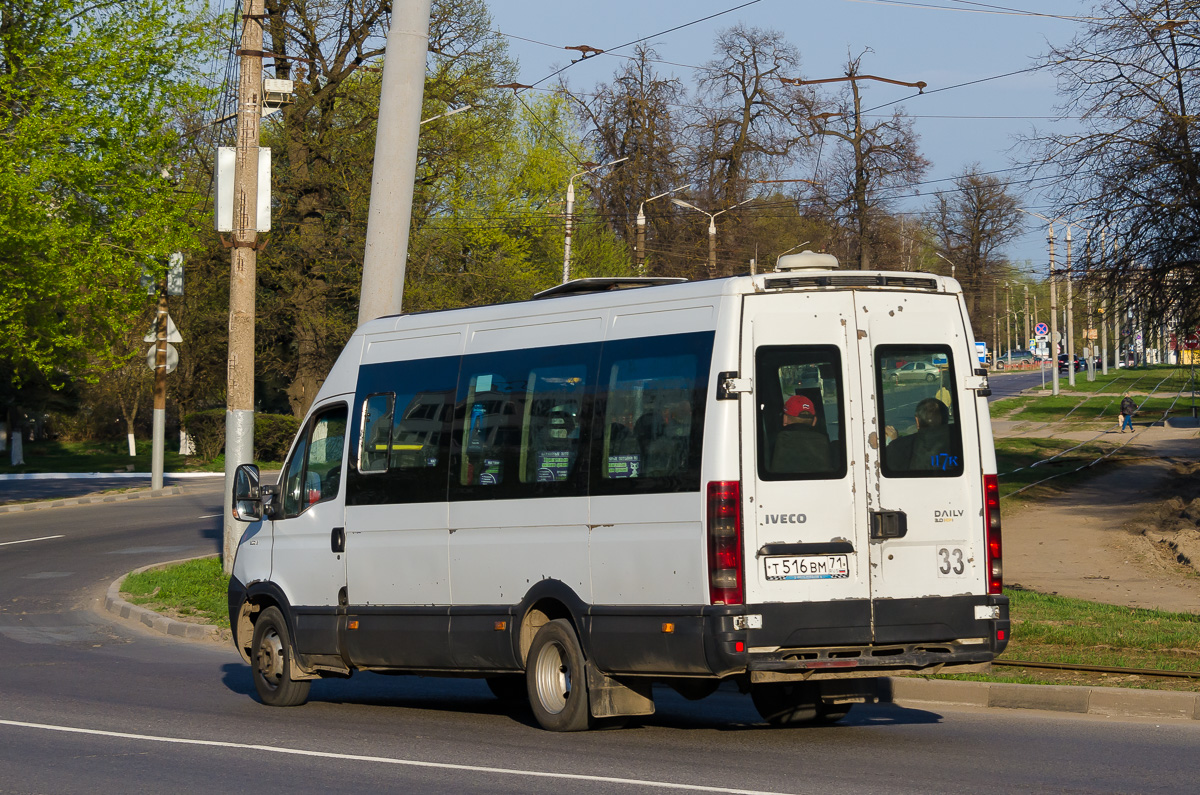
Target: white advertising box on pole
[[223, 212]]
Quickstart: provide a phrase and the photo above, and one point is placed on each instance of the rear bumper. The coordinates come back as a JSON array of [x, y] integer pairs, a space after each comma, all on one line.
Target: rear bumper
[[807, 640], [907, 635]]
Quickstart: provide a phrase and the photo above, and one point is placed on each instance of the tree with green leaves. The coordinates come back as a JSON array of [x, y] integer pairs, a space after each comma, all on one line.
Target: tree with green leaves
[[89, 97]]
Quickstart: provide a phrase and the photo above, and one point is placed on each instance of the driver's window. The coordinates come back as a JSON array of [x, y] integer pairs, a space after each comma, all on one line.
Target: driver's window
[[314, 472]]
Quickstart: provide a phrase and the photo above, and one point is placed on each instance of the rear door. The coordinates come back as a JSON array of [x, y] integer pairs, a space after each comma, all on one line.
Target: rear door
[[806, 529], [924, 469]]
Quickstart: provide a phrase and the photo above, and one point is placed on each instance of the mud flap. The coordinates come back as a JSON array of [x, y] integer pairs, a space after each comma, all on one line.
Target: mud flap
[[609, 698]]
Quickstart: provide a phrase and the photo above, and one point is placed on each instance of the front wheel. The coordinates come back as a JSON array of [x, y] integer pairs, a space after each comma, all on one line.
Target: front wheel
[[271, 660], [556, 679]]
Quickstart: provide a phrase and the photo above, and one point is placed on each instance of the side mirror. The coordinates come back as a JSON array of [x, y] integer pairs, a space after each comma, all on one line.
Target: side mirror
[[247, 497]]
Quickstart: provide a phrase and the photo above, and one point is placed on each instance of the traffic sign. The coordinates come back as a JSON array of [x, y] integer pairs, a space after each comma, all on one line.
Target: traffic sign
[[1041, 329], [1191, 342], [172, 358]]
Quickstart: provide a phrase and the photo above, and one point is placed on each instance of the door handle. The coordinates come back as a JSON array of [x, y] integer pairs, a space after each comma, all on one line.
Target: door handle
[[337, 540], [888, 524]]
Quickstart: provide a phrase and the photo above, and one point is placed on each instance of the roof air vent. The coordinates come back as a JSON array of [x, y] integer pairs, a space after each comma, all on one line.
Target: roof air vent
[[806, 260]]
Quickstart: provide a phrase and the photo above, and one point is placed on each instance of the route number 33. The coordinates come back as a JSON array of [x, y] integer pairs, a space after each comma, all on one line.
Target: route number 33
[[951, 562]]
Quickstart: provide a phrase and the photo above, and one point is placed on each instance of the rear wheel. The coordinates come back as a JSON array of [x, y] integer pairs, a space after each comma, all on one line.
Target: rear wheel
[[271, 661], [556, 679], [786, 703]]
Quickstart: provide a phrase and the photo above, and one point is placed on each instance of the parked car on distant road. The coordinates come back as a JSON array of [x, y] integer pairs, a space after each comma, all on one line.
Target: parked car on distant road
[[1062, 363], [1017, 358], [916, 371]]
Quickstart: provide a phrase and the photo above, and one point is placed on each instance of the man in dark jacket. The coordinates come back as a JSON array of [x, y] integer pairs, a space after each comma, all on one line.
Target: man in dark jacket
[[925, 449], [800, 447], [1128, 408]]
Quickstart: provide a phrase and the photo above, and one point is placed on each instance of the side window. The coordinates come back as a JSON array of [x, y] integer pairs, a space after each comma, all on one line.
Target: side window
[[520, 424], [918, 411], [402, 425], [649, 411], [375, 438], [799, 413], [314, 472]]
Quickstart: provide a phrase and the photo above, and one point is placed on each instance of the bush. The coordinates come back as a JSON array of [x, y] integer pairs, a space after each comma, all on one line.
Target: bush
[[273, 434]]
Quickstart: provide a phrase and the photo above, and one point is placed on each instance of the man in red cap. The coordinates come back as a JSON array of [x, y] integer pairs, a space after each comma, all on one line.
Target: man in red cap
[[800, 447]]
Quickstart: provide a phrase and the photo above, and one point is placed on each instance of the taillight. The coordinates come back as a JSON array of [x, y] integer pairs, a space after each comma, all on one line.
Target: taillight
[[991, 526], [725, 542]]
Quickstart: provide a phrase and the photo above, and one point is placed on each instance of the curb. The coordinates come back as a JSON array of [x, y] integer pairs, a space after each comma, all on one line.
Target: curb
[[114, 604], [1112, 702], [168, 491]]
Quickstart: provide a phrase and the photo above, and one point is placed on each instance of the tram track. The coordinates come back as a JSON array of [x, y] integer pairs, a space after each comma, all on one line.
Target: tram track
[[1103, 456], [1102, 669]]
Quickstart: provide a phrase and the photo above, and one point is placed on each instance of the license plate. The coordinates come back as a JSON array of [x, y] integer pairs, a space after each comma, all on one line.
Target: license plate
[[807, 567]]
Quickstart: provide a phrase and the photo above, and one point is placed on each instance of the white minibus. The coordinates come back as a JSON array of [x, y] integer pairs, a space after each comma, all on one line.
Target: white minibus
[[629, 482]]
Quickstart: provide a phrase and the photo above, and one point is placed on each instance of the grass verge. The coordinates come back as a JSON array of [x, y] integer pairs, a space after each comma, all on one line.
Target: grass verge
[[1050, 628], [1023, 461], [55, 456], [194, 590], [1045, 628]]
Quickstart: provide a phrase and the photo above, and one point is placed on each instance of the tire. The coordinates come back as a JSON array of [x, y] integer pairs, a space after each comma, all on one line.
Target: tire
[[930, 377], [786, 703], [270, 661], [509, 688], [999, 365], [832, 713], [556, 679]]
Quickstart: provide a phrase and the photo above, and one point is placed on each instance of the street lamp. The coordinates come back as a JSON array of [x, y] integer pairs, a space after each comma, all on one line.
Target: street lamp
[[712, 229], [936, 254], [571, 210], [640, 244], [450, 112]]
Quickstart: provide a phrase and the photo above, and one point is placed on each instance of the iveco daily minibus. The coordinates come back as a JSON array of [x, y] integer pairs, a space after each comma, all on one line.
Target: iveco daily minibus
[[627, 482]]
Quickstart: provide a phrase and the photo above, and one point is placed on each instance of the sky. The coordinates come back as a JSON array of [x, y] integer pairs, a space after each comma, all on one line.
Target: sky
[[941, 42]]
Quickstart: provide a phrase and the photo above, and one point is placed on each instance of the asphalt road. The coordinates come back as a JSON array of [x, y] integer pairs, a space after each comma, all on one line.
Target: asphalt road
[[91, 704]]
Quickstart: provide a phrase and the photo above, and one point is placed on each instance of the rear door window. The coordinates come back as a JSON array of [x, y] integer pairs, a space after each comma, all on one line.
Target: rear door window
[[919, 413], [799, 414]]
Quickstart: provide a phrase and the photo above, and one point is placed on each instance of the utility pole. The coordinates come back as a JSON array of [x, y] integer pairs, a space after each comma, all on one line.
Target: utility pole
[[1028, 335], [995, 327], [1070, 317], [1008, 318], [239, 408], [395, 171], [160, 392], [1053, 317]]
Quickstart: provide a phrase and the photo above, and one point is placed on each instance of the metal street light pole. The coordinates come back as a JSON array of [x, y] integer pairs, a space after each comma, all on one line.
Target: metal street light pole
[[951, 264], [712, 230], [639, 251], [570, 213]]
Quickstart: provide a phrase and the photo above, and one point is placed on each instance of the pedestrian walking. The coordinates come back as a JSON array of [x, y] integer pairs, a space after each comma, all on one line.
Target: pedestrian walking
[[1128, 407]]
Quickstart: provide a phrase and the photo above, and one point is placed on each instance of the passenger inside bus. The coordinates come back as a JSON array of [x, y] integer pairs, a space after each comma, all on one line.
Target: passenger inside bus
[[801, 446], [930, 443]]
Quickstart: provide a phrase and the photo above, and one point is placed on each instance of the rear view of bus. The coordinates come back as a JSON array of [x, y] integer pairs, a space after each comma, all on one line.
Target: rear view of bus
[[867, 516]]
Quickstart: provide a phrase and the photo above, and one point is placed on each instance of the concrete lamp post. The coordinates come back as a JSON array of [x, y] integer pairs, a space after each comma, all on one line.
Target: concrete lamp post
[[640, 244], [570, 214]]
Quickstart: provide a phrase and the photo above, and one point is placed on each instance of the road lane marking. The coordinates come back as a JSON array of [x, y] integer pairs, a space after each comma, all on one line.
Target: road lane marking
[[210, 516], [27, 540], [388, 760]]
